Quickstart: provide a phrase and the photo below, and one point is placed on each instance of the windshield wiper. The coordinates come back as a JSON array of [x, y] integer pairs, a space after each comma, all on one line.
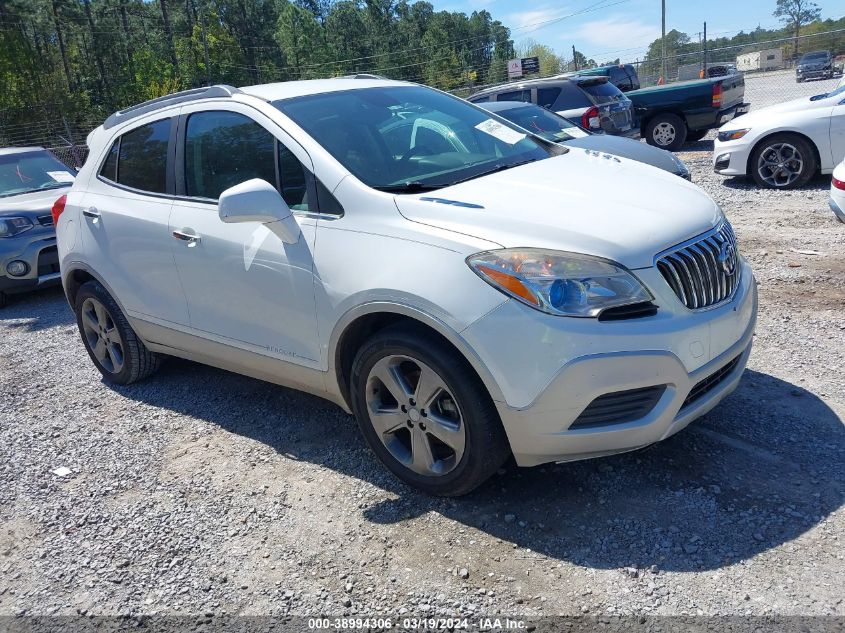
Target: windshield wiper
[[57, 185], [408, 187], [497, 168]]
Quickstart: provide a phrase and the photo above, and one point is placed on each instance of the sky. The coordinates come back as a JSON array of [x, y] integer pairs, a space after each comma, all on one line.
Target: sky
[[606, 29]]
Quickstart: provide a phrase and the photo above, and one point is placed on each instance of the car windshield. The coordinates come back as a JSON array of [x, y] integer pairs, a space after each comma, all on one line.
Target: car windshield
[[32, 171], [543, 123], [809, 57], [410, 138]]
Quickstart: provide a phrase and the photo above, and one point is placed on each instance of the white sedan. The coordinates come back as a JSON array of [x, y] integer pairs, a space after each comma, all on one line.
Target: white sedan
[[837, 193], [783, 146]]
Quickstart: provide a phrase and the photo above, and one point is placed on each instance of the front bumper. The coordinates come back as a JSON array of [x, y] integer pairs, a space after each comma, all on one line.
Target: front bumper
[[41, 258], [731, 157], [816, 73], [677, 351]]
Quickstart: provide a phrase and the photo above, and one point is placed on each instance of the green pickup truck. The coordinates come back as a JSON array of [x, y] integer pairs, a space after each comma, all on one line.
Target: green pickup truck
[[675, 113]]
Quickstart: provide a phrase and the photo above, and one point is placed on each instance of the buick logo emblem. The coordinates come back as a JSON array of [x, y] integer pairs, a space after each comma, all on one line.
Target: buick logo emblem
[[727, 258]]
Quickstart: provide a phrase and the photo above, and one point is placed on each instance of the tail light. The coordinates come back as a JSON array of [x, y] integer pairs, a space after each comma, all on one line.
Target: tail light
[[717, 94], [839, 184], [591, 119], [58, 209]]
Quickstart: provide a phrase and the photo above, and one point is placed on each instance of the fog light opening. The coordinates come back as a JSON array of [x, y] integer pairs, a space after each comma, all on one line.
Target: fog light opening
[[17, 268]]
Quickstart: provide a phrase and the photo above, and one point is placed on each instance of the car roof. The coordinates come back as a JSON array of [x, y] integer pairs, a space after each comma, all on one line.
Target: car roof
[[6, 151], [546, 81], [291, 89]]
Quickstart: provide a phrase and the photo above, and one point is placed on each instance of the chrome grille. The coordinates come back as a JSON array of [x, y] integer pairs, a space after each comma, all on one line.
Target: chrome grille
[[703, 272]]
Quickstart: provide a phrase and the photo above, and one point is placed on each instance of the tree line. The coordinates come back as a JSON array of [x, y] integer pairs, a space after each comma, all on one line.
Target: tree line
[[83, 59]]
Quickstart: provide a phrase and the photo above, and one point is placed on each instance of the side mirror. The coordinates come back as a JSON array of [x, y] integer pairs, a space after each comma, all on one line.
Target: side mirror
[[257, 200]]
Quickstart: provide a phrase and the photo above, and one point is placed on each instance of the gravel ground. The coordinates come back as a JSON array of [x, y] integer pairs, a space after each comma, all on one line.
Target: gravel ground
[[200, 491]]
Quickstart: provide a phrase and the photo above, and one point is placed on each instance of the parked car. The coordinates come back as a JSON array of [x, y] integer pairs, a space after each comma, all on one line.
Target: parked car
[[593, 101], [784, 145], [469, 291], [721, 70], [558, 129], [31, 179], [675, 113], [837, 192], [623, 76], [815, 65]]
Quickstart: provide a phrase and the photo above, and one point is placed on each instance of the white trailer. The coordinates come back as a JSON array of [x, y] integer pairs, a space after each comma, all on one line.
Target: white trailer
[[770, 59]]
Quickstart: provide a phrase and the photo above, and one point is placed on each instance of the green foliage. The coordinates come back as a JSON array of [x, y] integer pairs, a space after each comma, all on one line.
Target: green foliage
[[82, 59]]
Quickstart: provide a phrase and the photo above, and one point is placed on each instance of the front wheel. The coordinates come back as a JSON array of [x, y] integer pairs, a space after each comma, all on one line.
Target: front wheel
[[425, 414], [783, 161], [666, 131]]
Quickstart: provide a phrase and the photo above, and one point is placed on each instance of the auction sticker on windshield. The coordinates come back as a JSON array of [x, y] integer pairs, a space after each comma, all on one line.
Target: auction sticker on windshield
[[61, 176], [499, 131]]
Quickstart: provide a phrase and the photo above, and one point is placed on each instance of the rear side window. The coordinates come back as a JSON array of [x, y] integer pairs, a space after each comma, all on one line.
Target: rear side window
[[602, 92], [142, 157], [109, 169], [571, 97], [546, 97], [516, 95], [224, 149]]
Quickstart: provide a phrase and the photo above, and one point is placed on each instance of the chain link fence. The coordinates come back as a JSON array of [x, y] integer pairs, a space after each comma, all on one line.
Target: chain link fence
[[768, 68]]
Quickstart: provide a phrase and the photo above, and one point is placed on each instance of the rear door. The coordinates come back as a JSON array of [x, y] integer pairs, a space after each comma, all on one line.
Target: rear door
[[125, 215]]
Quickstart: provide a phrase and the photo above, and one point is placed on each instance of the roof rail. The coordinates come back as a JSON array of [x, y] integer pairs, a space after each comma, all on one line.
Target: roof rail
[[364, 76], [121, 116]]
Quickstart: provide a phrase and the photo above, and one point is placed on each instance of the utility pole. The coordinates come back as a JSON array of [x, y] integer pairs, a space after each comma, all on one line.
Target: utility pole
[[574, 57], [663, 40], [205, 45], [705, 50]]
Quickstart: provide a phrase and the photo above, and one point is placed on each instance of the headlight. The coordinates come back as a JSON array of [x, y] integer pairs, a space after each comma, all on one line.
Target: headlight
[[733, 135], [9, 227], [563, 284]]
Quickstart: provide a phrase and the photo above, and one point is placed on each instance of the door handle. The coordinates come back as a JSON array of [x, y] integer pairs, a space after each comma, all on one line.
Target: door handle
[[191, 238], [91, 212]]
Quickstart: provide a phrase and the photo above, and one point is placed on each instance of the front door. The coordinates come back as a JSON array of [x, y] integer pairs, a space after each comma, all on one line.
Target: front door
[[245, 287]]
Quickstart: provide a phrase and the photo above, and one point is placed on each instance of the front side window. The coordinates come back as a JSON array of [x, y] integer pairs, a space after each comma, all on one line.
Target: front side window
[[404, 138], [546, 97], [224, 149], [37, 170], [142, 157]]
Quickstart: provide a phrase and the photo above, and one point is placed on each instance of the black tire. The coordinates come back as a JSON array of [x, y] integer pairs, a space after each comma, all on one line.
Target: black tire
[[799, 80], [695, 136], [485, 447], [666, 131], [3, 300], [801, 145], [137, 361]]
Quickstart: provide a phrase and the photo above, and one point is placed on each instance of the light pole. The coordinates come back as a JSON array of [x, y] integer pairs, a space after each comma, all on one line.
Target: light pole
[[663, 40]]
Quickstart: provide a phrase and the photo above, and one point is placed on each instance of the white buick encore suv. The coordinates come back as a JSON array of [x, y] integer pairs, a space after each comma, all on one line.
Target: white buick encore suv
[[468, 291]]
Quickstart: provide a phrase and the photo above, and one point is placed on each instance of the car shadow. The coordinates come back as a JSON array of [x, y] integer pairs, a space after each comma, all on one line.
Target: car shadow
[[37, 310], [819, 182], [704, 145], [757, 472]]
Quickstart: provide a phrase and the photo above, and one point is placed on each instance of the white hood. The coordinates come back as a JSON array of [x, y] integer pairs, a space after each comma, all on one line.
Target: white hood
[[579, 202], [771, 114]]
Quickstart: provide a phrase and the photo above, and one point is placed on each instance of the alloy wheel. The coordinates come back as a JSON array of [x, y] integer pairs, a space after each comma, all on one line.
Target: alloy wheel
[[780, 165], [415, 415], [102, 335], [664, 133]]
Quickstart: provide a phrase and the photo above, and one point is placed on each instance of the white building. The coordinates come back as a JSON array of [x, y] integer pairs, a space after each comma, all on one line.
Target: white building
[[770, 59]]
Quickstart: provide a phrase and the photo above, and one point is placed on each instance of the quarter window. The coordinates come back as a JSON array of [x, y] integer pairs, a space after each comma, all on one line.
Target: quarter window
[[109, 169], [223, 149], [546, 97], [142, 157]]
